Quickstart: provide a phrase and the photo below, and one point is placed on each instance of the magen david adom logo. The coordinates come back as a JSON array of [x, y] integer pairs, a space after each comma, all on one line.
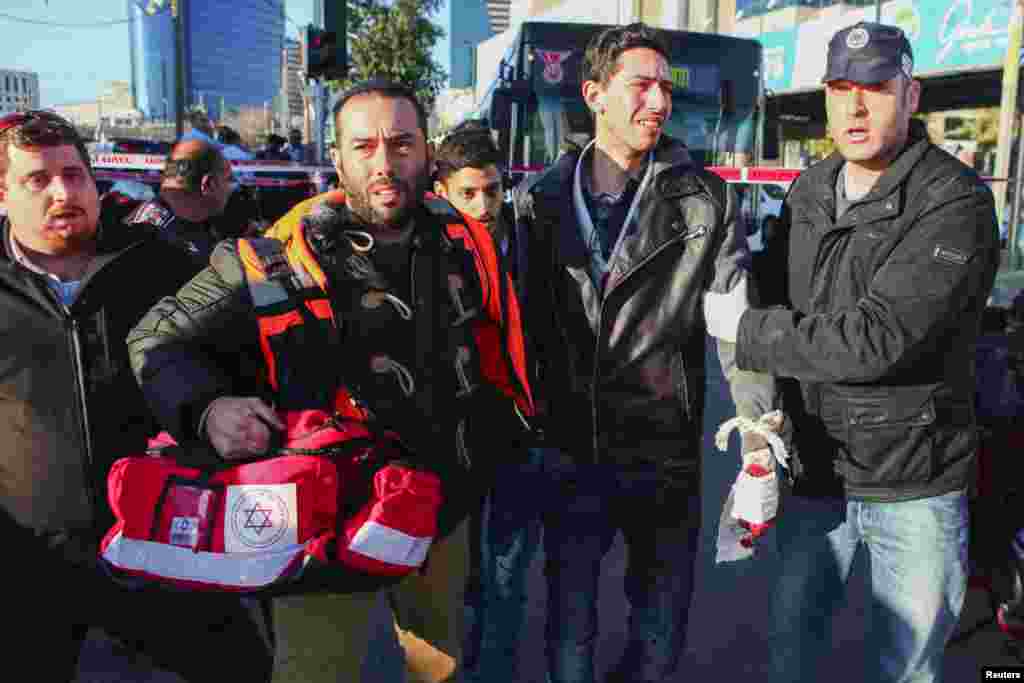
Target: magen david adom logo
[[260, 517], [553, 71]]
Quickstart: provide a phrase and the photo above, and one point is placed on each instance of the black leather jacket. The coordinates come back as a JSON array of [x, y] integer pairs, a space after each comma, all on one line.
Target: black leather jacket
[[886, 307], [623, 376]]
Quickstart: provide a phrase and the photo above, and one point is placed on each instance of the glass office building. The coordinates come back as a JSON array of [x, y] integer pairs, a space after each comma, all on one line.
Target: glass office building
[[232, 56]]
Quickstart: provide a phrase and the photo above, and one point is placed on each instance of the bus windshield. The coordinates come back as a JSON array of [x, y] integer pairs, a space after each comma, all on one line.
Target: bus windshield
[[714, 95], [560, 120]]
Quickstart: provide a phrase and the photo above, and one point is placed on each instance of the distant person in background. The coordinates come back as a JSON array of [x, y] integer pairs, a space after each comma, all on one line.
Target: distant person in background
[[202, 129], [196, 186], [231, 144], [273, 150], [295, 150]]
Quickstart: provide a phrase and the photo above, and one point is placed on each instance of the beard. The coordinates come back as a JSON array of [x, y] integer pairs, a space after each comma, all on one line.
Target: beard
[[73, 244], [79, 239], [361, 206]]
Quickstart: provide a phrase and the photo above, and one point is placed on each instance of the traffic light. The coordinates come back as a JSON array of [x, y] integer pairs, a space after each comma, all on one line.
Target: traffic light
[[326, 49]]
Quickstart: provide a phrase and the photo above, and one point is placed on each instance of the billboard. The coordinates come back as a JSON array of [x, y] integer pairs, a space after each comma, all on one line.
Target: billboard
[[946, 35]]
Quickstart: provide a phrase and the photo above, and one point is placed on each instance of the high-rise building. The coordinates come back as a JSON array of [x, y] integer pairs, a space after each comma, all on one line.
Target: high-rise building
[[19, 90], [498, 13], [233, 56], [469, 26], [292, 82]]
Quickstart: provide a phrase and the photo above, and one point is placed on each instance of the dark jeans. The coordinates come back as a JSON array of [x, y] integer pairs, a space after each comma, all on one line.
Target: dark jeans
[[199, 636], [661, 529], [506, 539]]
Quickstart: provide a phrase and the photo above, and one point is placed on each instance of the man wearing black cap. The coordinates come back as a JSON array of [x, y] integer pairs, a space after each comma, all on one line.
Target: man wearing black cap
[[893, 252], [387, 310]]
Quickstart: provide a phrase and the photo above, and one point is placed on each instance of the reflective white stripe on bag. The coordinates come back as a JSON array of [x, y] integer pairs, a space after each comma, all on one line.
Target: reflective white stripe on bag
[[384, 544], [232, 570]]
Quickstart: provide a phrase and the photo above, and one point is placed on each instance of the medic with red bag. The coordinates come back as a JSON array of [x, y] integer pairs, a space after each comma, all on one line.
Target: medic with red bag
[[385, 379]]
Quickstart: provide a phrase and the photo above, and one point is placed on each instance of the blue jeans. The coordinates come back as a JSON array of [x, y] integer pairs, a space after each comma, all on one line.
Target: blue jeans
[[661, 530], [509, 536], [917, 551]]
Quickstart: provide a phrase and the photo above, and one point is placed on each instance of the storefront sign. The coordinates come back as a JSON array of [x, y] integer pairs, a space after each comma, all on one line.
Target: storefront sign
[[946, 35]]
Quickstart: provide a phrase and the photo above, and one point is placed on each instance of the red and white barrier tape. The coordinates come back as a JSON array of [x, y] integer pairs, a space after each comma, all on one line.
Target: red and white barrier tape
[[121, 164]]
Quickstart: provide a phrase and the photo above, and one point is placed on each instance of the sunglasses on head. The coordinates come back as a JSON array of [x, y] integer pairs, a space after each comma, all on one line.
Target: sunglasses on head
[[20, 118]]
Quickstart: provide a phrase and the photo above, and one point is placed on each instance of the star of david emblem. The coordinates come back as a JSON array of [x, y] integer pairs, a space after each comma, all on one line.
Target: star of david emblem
[[258, 518]]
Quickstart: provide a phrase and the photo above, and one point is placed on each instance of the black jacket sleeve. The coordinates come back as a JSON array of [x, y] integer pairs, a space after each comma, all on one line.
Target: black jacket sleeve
[[534, 287], [176, 348], [913, 300]]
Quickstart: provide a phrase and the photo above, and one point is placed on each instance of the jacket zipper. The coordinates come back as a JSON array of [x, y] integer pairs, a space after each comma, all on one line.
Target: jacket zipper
[[83, 415], [600, 333]]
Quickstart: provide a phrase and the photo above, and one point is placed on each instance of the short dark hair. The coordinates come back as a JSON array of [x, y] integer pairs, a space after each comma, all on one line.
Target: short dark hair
[[601, 59], [190, 168], [198, 119], [228, 135], [384, 88], [468, 145], [40, 128]]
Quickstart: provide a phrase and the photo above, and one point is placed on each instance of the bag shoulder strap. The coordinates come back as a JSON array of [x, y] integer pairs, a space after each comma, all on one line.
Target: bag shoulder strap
[[271, 278]]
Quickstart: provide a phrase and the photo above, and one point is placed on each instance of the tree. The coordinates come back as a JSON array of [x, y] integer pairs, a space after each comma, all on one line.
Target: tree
[[393, 39]]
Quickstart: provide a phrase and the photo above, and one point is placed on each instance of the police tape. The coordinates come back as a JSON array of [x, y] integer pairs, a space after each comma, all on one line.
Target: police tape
[[155, 162], [753, 175], [134, 166], [147, 168], [765, 175], [151, 177]]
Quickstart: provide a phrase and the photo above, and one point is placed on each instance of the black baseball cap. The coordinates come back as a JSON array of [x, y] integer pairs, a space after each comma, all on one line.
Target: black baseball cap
[[868, 53]]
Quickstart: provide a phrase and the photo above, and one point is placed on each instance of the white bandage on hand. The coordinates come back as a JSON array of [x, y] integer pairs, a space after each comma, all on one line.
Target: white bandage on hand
[[767, 427]]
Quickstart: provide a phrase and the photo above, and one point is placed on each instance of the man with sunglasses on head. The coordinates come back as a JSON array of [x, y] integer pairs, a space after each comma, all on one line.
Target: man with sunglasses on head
[[190, 211], [73, 281]]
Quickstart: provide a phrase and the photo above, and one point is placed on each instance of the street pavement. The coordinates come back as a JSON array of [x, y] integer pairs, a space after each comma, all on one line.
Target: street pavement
[[728, 618]]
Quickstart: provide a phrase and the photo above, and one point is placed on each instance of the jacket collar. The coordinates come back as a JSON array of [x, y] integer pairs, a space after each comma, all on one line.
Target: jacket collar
[[556, 182], [553, 196], [887, 197], [114, 240]]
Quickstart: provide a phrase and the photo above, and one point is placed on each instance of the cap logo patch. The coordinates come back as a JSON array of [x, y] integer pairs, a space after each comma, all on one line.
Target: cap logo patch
[[857, 38], [908, 65]]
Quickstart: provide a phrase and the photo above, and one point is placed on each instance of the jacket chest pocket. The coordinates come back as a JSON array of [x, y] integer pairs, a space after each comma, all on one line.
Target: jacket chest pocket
[[889, 438], [867, 250]]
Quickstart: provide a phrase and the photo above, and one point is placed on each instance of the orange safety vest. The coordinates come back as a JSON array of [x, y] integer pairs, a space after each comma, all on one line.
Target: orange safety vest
[[288, 285]]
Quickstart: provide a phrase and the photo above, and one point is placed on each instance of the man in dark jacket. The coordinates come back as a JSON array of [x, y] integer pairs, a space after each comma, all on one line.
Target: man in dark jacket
[[189, 213], [623, 239], [893, 253], [505, 529], [72, 283], [396, 301]]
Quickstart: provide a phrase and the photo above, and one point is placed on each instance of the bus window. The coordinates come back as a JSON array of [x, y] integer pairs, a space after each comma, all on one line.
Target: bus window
[[556, 121]]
